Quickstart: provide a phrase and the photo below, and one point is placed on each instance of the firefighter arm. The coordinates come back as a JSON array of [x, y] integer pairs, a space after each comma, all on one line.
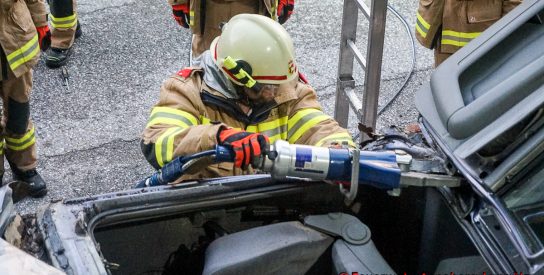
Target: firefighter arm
[[307, 124], [38, 12], [175, 126]]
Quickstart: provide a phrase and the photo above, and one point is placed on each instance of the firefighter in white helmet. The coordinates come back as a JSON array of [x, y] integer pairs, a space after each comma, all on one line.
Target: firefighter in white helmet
[[247, 93]]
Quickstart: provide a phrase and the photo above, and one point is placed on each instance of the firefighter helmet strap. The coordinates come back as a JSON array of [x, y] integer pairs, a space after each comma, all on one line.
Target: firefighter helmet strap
[[241, 72]]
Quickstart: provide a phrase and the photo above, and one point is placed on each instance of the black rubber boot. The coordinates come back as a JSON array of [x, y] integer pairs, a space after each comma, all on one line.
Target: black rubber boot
[[35, 183], [57, 57]]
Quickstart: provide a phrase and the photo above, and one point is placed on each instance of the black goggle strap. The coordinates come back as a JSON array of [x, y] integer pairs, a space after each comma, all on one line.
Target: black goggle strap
[[237, 71]]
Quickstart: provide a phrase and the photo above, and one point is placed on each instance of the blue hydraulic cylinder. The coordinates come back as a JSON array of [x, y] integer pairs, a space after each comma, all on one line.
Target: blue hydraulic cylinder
[[378, 169]]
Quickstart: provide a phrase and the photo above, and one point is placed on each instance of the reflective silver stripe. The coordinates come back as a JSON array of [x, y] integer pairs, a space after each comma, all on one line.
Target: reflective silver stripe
[[275, 131], [422, 27], [463, 40]]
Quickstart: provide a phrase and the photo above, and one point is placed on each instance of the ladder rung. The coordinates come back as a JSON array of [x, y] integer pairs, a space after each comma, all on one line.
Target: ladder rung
[[356, 104], [363, 8], [357, 53]]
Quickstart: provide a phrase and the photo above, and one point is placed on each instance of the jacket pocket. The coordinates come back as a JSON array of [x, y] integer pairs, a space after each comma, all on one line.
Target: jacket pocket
[[484, 11], [429, 19], [20, 16]]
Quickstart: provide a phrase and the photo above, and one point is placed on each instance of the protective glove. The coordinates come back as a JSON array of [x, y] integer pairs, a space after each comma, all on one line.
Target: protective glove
[[249, 148], [181, 14], [285, 9], [44, 37]]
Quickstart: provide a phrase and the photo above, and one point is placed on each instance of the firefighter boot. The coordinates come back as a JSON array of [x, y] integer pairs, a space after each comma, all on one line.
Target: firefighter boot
[[56, 57], [36, 185]]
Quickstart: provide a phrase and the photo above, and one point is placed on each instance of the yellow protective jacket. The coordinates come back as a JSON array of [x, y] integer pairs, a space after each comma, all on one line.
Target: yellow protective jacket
[[18, 35], [451, 24], [189, 114]]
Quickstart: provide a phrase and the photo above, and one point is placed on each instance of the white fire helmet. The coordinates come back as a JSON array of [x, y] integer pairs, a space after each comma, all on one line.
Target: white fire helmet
[[254, 49]]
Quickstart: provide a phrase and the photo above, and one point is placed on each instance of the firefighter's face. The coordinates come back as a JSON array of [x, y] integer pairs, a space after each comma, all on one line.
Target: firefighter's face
[[266, 95]]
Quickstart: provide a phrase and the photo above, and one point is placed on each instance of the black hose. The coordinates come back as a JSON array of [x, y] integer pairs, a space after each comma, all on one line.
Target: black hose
[[408, 30]]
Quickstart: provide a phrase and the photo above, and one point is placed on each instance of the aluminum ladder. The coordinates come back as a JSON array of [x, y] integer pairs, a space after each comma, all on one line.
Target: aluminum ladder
[[366, 110]]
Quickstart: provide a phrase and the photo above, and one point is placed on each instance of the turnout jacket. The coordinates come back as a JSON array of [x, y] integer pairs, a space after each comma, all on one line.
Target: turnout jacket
[[451, 24], [189, 113], [18, 35]]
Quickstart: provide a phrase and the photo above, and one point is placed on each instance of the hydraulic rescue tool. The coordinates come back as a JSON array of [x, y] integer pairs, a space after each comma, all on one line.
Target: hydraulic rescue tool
[[388, 170]]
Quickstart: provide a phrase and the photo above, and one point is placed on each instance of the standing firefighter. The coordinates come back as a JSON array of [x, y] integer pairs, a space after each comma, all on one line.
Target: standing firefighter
[[247, 94], [65, 29], [448, 25], [204, 17], [23, 31]]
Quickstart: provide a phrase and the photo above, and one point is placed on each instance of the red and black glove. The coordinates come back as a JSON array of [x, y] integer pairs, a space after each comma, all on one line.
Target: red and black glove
[[285, 9], [249, 148], [181, 14], [44, 37]]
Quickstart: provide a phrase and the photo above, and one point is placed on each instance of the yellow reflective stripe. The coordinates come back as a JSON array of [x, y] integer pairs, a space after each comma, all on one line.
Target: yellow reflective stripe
[[24, 54], [172, 116], [422, 26], [204, 120], [2, 144], [270, 125], [274, 129], [57, 19], [470, 35], [422, 21], [300, 114], [311, 123], [302, 121], [458, 39], [191, 17], [64, 22], [282, 135], [170, 145], [420, 31], [336, 137], [252, 128], [164, 146], [22, 143], [453, 43]]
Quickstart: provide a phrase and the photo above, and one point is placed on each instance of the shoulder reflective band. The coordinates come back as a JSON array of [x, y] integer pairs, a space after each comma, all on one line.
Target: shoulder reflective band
[[235, 70], [24, 54], [422, 26], [171, 116], [458, 39]]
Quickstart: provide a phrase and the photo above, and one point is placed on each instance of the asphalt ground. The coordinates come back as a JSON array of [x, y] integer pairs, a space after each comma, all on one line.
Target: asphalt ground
[[88, 132]]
